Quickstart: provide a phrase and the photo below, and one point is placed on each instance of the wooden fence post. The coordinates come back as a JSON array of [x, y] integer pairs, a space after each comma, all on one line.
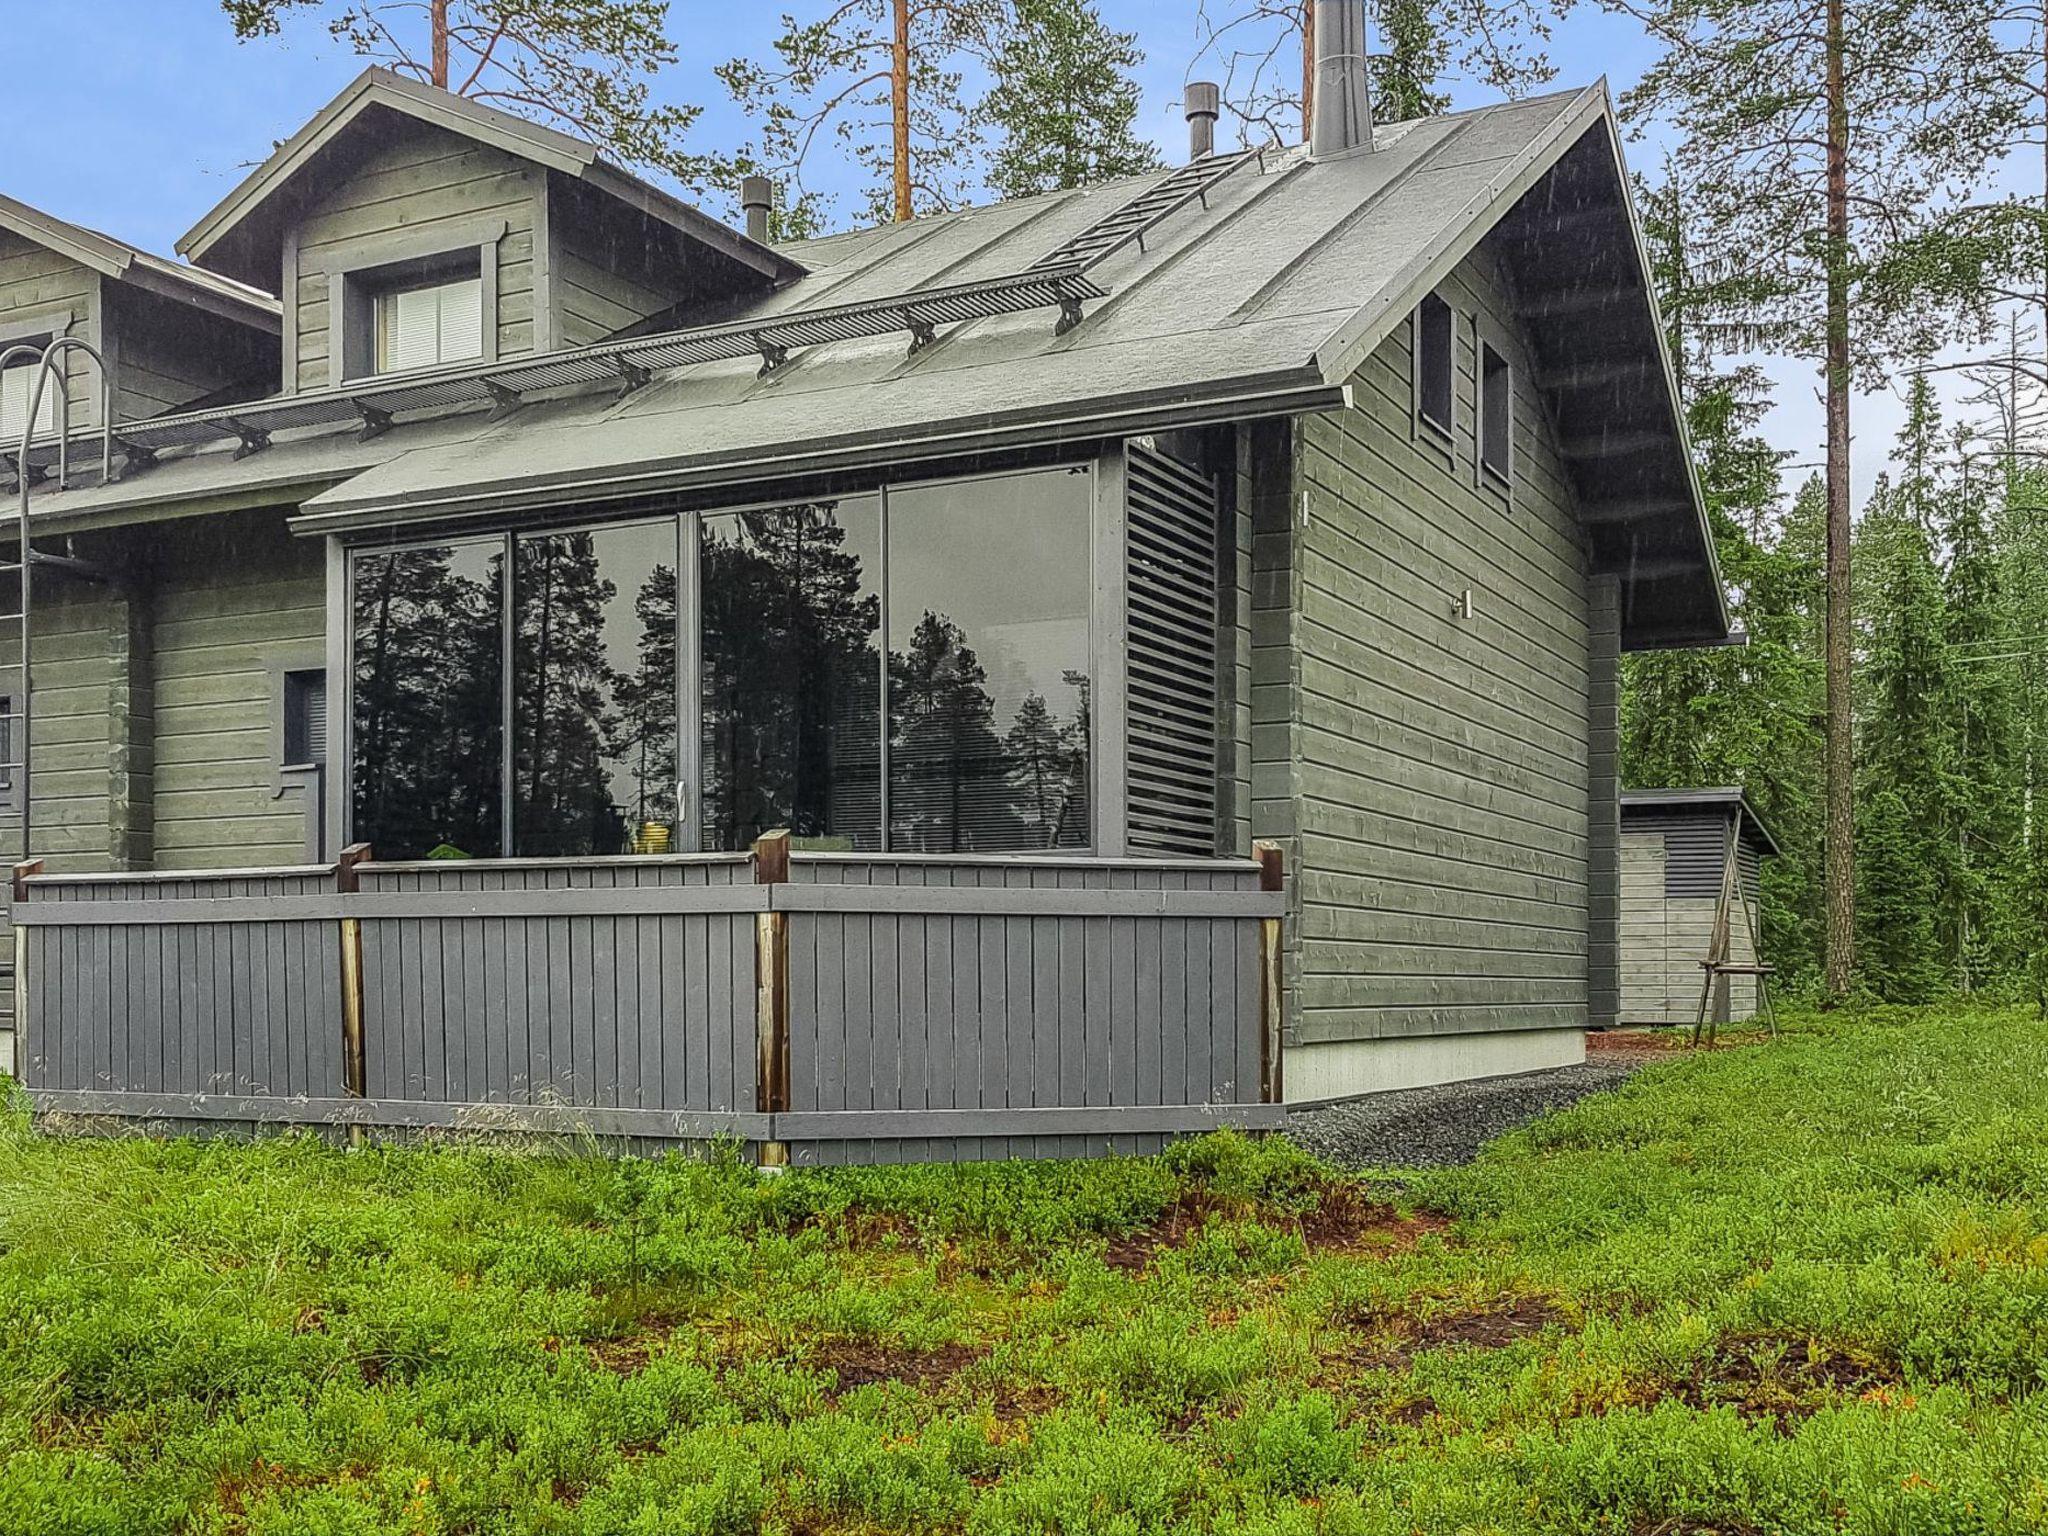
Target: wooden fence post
[[26, 870], [771, 993], [355, 1066], [1272, 877]]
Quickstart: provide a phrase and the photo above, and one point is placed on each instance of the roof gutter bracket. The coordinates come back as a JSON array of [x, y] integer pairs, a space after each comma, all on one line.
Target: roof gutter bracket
[[631, 376], [504, 398], [773, 355], [375, 422], [254, 439]]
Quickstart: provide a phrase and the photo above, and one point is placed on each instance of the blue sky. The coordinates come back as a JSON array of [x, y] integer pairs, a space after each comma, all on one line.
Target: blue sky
[[168, 112]]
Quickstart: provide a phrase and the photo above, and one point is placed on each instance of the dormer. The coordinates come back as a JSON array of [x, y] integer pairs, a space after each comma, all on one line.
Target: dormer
[[406, 227], [172, 336]]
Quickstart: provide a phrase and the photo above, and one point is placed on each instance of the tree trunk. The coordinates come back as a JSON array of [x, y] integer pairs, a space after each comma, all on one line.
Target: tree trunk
[[440, 15], [1308, 68], [1839, 861], [899, 109]]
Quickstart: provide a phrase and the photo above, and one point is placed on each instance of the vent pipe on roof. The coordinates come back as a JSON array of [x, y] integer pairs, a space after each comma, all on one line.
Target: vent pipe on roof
[[757, 197], [1343, 98], [1204, 101]]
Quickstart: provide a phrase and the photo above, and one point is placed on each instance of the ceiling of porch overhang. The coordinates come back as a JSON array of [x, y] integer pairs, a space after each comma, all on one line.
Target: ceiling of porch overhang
[[1266, 298]]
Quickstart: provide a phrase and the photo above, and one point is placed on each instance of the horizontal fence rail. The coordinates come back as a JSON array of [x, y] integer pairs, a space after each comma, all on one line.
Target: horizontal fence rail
[[828, 1008]]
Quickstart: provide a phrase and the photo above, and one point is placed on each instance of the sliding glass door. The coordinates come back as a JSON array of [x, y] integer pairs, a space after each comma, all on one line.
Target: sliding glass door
[[907, 668]]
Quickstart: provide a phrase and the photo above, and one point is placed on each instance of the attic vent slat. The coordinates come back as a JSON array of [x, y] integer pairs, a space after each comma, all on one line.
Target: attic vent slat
[[1170, 566]]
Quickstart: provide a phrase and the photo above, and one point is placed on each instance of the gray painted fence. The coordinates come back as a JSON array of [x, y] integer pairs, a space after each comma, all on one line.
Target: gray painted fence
[[904, 1008]]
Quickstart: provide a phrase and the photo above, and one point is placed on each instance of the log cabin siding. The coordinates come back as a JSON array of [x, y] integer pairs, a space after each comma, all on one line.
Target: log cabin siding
[[237, 599], [1442, 767], [422, 182]]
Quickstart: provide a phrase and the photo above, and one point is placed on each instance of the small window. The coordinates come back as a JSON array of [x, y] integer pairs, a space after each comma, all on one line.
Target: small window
[[305, 719], [16, 385], [1433, 364], [10, 734], [427, 325], [1496, 414]]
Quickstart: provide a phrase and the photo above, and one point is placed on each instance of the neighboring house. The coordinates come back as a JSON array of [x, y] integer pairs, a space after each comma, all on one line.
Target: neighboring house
[[1074, 544], [1676, 849]]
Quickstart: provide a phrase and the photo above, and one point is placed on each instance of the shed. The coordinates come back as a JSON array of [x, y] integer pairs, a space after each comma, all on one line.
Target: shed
[[1675, 848]]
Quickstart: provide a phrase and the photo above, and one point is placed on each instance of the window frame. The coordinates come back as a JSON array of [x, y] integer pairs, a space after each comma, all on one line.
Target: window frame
[[388, 262], [38, 328], [1426, 425], [1104, 643], [1499, 477]]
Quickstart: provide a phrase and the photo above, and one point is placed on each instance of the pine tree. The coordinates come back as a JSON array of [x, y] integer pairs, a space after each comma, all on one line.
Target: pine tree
[[884, 80], [1494, 44], [1064, 103], [1823, 145], [583, 65]]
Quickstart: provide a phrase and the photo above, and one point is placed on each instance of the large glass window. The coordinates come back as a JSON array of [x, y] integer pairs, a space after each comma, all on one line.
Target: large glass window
[[898, 670], [791, 618], [427, 686], [989, 584], [594, 765]]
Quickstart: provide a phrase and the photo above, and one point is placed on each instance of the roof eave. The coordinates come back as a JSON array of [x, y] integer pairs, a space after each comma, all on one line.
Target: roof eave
[[530, 141], [1348, 348], [1297, 392]]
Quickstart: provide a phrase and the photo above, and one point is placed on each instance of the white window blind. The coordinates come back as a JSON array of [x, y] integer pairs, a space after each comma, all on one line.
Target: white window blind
[[422, 327], [16, 385]]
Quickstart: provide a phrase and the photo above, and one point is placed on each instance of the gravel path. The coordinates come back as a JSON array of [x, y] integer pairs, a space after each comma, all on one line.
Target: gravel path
[[1437, 1127]]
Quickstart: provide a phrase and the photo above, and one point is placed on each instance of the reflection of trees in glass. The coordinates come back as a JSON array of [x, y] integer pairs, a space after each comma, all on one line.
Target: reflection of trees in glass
[[1048, 769], [791, 676], [565, 724], [949, 786], [427, 698], [647, 741]]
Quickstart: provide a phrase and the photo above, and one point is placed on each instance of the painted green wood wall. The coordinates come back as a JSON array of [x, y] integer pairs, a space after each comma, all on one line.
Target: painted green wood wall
[[425, 180], [238, 599], [1433, 774], [608, 268]]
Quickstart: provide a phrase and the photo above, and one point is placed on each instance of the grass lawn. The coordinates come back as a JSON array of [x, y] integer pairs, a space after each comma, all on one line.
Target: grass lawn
[[1791, 1288]]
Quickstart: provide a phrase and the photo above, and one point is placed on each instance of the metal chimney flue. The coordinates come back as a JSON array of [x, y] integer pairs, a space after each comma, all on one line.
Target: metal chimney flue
[[1342, 118], [757, 197], [1204, 100]]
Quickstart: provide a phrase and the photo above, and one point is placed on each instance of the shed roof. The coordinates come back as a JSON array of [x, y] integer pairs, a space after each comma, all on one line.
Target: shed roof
[[119, 260], [243, 234], [1265, 299], [1648, 804]]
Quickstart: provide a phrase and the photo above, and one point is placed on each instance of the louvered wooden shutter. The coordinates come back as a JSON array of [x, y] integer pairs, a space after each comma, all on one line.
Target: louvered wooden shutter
[[1170, 757]]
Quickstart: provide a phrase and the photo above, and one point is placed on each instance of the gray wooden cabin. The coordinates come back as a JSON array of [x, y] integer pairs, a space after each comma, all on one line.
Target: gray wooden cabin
[[405, 741], [1676, 846]]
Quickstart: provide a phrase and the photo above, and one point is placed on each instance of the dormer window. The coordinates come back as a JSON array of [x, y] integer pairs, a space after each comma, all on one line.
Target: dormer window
[[420, 312], [429, 324]]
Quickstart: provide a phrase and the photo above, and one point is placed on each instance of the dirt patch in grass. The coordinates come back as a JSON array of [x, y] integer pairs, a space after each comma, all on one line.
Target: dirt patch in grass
[[1784, 1379], [1489, 1328], [1693, 1525], [1392, 1341], [866, 1362], [1343, 1220]]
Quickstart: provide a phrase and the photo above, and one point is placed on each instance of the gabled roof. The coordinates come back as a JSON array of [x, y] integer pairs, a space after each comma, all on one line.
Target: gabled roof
[[121, 261], [1648, 804], [1263, 299], [240, 231]]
